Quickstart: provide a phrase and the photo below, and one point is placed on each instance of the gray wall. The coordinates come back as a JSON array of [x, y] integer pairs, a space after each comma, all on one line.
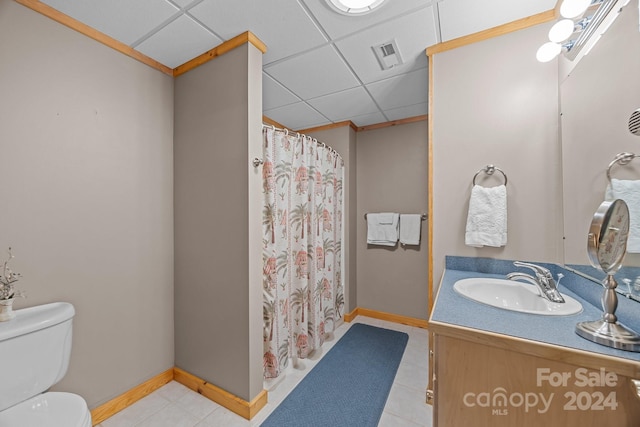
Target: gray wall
[[343, 140], [87, 198], [494, 103], [218, 278], [393, 177], [386, 170]]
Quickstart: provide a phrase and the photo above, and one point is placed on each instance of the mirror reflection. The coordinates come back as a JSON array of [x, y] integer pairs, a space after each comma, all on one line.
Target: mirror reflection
[[599, 103]]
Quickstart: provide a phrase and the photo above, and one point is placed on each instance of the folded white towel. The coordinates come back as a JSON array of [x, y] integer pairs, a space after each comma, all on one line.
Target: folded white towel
[[410, 229], [385, 218], [487, 217], [629, 191], [382, 228]]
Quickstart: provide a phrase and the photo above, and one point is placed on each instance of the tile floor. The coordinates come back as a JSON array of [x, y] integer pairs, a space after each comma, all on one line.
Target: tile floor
[[174, 405]]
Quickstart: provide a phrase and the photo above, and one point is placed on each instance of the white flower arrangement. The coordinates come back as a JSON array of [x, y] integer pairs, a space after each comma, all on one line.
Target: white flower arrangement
[[8, 280]]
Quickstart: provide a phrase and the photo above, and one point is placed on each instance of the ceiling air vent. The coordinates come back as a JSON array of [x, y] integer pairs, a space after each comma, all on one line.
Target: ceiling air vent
[[634, 123], [388, 54]]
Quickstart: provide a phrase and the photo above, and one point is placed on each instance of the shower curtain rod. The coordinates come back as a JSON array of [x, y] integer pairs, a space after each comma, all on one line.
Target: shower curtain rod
[[287, 131]]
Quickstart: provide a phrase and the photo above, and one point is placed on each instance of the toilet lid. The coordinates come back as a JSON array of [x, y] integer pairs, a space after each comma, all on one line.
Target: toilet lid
[[53, 409]]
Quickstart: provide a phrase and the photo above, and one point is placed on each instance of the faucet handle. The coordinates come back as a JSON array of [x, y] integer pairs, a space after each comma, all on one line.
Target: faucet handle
[[544, 280], [537, 268]]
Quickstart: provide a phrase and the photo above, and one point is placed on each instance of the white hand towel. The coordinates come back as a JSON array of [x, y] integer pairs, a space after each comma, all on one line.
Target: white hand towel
[[382, 228], [410, 229], [629, 191], [385, 218], [487, 217]]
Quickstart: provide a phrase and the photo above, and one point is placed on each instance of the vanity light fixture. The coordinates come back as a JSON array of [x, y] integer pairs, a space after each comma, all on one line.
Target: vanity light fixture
[[562, 30], [570, 36], [354, 7], [548, 51], [573, 8]]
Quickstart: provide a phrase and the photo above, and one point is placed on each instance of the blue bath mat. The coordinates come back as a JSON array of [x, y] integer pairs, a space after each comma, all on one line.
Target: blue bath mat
[[350, 384]]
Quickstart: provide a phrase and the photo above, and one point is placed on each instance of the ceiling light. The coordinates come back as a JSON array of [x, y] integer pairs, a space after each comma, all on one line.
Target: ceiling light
[[548, 51], [573, 8], [561, 30], [354, 7], [357, 4]]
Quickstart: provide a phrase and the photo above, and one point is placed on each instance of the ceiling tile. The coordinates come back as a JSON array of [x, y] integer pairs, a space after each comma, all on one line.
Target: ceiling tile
[[124, 20], [368, 119], [413, 33], [399, 91], [297, 116], [316, 73], [178, 42], [462, 17], [344, 105], [283, 25], [408, 111], [274, 94], [338, 25], [300, 63]]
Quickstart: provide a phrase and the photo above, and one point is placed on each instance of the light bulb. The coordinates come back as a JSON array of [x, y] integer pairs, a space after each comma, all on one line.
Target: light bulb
[[354, 7], [561, 30], [573, 8], [357, 4], [548, 51]]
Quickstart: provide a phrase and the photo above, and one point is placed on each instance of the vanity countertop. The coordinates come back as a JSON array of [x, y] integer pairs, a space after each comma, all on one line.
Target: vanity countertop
[[452, 309]]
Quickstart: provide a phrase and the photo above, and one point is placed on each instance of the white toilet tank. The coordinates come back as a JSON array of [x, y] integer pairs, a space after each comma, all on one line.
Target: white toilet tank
[[35, 348]]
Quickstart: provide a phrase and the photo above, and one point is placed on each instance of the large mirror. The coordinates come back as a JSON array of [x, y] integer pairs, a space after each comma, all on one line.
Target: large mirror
[[598, 95]]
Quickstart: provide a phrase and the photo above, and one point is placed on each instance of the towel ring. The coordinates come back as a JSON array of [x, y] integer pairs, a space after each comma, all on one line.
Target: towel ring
[[489, 170], [622, 159]]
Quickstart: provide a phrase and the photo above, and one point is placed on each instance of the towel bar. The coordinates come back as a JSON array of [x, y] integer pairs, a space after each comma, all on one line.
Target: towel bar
[[489, 170], [622, 159], [424, 216]]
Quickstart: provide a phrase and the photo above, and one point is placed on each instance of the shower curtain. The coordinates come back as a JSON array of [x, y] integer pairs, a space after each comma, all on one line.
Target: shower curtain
[[302, 246]]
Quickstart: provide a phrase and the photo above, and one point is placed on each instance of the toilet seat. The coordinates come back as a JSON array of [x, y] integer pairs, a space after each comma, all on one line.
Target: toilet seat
[[52, 409]]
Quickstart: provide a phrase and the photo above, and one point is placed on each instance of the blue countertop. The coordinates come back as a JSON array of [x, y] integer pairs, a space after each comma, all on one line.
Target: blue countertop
[[454, 309]]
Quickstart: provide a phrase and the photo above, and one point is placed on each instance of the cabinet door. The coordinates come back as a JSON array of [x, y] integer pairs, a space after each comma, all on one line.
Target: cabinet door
[[479, 385]]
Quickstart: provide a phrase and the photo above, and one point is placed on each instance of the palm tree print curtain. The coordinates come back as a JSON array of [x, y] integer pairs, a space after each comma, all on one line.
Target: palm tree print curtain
[[302, 256]]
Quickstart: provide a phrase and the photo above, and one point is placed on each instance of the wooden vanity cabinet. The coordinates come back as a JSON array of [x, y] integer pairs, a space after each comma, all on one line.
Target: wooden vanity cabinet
[[485, 379]]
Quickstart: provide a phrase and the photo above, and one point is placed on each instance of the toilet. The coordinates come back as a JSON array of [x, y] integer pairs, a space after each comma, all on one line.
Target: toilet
[[35, 348]]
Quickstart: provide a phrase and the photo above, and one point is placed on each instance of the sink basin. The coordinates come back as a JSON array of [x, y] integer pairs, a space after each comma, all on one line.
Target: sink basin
[[515, 296]]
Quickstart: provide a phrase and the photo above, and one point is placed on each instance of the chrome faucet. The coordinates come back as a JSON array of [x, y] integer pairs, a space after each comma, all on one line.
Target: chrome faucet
[[543, 280]]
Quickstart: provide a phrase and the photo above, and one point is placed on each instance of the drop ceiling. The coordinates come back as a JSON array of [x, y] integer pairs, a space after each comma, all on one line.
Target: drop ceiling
[[320, 67]]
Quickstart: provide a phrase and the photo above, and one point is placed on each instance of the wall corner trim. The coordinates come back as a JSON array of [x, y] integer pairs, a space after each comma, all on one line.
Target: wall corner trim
[[271, 122], [393, 123], [66, 20], [221, 49], [389, 317], [128, 398], [254, 40], [96, 35], [364, 128], [329, 126], [500, 30], [233, 403], [348, 317]]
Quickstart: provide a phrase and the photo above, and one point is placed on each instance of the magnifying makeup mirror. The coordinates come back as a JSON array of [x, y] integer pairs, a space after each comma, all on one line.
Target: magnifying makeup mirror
[[606, 247]]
